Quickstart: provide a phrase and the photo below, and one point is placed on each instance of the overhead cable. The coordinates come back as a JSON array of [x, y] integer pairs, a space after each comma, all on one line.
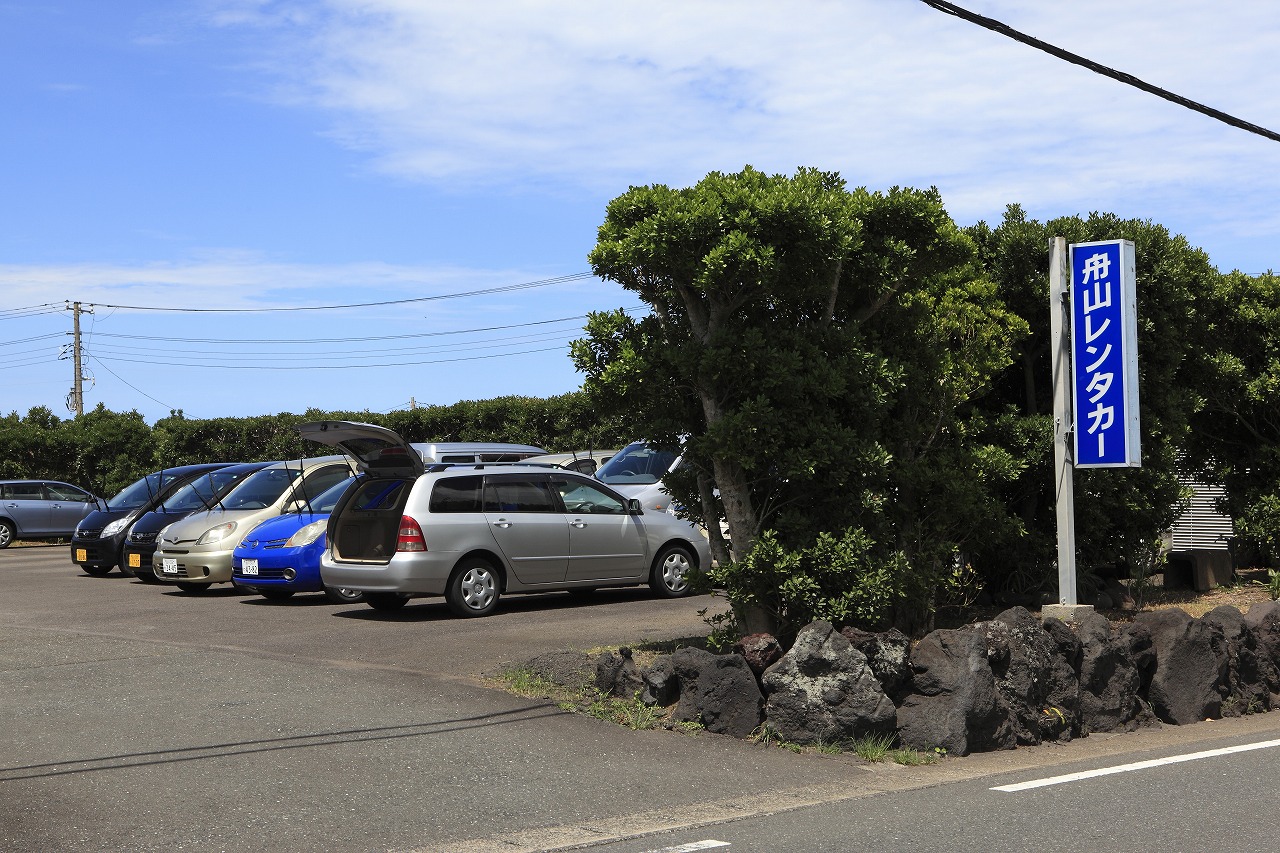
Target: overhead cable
[[504, 289], [1128, 79]]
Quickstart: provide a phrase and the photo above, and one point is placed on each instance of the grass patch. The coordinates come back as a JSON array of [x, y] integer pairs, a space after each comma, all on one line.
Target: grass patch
[[913, 757], [872, 747]]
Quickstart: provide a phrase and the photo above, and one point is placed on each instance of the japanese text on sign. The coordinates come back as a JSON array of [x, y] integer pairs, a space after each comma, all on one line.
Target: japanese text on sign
[[1104, 355]]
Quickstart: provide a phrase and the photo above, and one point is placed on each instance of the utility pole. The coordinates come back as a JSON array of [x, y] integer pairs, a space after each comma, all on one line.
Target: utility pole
[[75, 400]]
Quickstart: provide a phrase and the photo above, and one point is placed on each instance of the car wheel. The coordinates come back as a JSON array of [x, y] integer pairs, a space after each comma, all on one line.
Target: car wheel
[[146, 576], [6, 533], [97, 571], [342, 595], [473, 588], [669, 577], [192, 587], [276, 594], [385, 601]]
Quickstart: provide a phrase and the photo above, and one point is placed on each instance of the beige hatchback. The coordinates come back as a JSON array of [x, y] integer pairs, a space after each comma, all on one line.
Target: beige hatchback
[[195, 552]]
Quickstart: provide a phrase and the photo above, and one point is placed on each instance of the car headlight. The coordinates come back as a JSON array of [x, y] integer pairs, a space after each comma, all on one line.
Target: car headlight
[[217, 534], [308, 534], [116, 526]]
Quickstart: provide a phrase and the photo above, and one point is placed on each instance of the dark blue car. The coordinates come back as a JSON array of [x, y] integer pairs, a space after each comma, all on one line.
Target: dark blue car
[[281, 556]]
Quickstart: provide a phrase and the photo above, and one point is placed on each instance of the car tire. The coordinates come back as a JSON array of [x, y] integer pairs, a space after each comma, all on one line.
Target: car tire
[[98, 571], [474, 588], [342, 595], [669, 577], [192, 587], [146, 576], [275, 594], [386, 601], [6, 533]]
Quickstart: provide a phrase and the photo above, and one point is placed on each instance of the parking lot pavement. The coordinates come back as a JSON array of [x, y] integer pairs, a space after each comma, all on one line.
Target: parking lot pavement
[[139, 718], [142, 719]]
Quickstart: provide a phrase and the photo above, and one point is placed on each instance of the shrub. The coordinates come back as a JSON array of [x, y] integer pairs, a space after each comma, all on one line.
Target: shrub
[[844, 580]]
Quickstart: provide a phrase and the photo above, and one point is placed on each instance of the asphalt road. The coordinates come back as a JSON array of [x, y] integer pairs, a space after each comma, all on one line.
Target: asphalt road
[[140, 718]]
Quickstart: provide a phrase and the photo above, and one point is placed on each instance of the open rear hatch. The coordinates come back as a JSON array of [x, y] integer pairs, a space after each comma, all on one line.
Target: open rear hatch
[[378, 451], [365, 524]]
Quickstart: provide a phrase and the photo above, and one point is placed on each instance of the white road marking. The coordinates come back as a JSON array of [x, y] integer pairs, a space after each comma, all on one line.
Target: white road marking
[[689, 848], [1138, 765]]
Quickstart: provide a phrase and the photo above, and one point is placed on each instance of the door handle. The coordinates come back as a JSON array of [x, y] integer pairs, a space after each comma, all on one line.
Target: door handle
[[578, 523], [503, 523]]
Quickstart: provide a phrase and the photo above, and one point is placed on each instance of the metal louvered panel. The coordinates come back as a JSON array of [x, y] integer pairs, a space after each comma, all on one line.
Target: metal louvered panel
[[1202, 526]]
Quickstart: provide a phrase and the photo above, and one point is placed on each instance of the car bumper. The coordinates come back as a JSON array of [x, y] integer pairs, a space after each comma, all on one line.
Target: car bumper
[[193, 565], [419, 573], [96, 552], [271, 572]]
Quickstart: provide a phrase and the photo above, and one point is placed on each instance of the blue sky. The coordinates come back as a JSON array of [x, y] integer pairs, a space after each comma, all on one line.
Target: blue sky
[[196, 154]]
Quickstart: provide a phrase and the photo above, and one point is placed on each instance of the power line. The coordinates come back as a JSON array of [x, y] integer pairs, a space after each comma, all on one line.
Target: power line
[[504, 289], [1128, 79], [33, 311], [34, 338], [223, 340], [258, 356], [134, 387], [332, 366]]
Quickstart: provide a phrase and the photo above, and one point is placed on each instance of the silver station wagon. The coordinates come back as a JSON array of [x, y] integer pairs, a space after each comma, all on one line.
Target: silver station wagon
[[474, 532]]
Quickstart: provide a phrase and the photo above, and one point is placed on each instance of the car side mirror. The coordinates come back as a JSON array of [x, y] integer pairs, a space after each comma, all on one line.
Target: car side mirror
[[634, 507]]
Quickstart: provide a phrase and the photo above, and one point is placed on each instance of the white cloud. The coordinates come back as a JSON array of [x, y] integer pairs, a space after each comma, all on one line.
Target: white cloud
[[243, 280], [601, 95]]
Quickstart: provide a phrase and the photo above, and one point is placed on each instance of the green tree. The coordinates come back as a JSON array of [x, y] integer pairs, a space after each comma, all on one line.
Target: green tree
[[1236, 440], [818, 349], [1120, 513]]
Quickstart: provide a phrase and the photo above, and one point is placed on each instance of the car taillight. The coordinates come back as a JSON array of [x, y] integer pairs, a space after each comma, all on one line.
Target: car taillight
[[410, 538]]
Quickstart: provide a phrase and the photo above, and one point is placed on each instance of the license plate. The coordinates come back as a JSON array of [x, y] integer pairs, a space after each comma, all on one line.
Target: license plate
[[82, 555], [135, 561], [169, 565], [248, 567]]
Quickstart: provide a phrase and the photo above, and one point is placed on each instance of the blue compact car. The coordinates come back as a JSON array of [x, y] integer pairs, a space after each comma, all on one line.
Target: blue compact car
[[281, 556]]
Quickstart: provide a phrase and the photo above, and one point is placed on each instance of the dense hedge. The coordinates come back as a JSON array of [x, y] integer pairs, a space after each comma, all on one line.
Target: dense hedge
[[105, 451]]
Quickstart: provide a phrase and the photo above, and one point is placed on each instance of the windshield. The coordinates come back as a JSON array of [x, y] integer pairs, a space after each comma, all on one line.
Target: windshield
[[328, 499], [261, 490], [203, 492], [636, 463], [138, 493]]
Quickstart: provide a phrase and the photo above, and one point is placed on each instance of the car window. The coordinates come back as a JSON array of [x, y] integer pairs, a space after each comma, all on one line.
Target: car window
[[329, 498], [458, 458], [456, 494], [375, 495], [261, 490], [516, 495], [202, 492], [63, 492], [23, 492], [136, 494], [637, 463], [586, 498], [318, 482]]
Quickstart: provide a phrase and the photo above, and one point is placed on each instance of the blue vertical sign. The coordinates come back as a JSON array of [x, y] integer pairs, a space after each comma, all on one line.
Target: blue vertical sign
[[1104, 355]]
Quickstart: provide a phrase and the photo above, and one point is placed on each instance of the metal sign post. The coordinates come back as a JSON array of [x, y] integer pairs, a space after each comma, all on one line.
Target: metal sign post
[[1092, 292], [1060, 357]]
